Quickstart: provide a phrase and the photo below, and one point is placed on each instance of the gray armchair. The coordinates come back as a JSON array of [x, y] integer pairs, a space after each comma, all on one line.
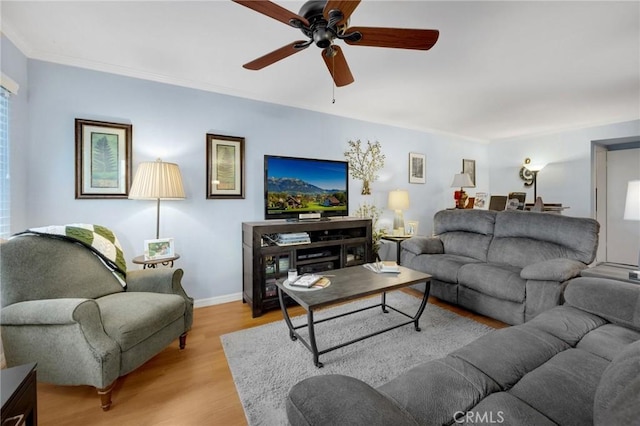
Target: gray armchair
[[63, 309]]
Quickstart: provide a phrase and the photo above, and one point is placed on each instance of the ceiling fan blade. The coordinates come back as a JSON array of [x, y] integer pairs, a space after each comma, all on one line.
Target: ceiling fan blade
[[274, 11], [276, 55], [345, 6], [398, 38], [337, 65]]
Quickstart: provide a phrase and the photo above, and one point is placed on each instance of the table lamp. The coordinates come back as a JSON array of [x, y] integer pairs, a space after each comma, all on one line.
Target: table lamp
[[632, 212], [398, 201], [157, 180], [461, 180]]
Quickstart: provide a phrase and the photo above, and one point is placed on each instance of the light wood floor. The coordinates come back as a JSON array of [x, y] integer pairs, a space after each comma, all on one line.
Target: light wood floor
[[189, 387]]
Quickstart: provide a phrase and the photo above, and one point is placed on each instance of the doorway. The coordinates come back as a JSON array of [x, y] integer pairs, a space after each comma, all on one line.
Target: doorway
[[616, 162]]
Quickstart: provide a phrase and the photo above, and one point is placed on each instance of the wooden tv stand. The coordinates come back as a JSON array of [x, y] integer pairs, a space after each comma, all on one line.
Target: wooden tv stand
[[335, 244]]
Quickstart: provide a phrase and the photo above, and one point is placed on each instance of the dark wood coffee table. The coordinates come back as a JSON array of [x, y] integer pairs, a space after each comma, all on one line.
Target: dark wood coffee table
[[347, 284]]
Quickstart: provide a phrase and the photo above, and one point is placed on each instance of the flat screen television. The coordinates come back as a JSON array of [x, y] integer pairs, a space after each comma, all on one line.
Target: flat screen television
[[305, 188]]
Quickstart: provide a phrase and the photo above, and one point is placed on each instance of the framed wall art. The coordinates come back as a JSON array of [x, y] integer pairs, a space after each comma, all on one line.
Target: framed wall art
[[469, 167], [225, 166], [103, 159], [417, 168]]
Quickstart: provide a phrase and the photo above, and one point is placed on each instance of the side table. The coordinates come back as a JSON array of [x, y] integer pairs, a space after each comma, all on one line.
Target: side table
[[613, 271], [19, 395], [396, 239], [152, 263]]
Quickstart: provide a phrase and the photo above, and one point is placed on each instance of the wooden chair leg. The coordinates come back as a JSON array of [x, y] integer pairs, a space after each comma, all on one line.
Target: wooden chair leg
[[183, 340], [105, 396]]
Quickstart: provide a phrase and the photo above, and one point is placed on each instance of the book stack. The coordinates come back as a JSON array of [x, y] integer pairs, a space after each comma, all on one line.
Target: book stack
[[385, 266]]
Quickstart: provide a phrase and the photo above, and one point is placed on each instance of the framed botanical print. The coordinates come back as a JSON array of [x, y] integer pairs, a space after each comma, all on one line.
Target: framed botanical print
[[469, 167], [225, 166], [417, 168], [103, 159]]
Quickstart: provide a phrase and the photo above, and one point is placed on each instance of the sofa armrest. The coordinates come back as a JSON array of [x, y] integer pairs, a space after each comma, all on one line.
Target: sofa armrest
[[423, 245], [553, 270], [336, 399]]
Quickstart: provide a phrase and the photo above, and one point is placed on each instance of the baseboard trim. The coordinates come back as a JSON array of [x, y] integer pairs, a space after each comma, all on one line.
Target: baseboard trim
[[201, 303]]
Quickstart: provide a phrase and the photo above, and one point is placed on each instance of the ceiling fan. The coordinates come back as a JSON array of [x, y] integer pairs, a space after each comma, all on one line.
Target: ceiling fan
[[324, 21]]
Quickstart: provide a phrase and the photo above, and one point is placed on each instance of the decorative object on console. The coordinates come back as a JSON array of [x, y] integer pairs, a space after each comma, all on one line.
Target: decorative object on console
[[529, 173], [469, 167], [364, 165], [412, 227], [480, 201], [461, 180], [417, 168], [157, 180], [398, 201], [516, 200], [632, 212], [225, 166], [103, 159]]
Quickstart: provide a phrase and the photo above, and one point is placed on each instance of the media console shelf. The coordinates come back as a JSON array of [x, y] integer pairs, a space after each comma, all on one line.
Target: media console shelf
[[335, 243]]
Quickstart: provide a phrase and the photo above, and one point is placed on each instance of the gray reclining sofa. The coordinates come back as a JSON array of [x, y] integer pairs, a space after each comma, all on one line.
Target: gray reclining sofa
[[576, 364], [508, 265]]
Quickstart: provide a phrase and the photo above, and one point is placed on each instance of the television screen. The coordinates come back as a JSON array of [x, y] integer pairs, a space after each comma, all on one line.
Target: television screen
[[294, 186]]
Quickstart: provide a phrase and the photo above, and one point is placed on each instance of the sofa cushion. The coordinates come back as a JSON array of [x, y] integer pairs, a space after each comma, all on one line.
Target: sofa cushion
[[501, 281], [504, 408], [419, 245], [466, 244], [608, 341], [443, 267], [569, 237], [616, 398], [616, 301], [131, 317], [432, 392], [508, 354], [566, 323], [465, 232], [563, 388]]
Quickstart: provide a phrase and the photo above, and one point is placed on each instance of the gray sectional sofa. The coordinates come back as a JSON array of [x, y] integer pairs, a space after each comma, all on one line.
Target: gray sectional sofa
[[508, 265], [575, 364]]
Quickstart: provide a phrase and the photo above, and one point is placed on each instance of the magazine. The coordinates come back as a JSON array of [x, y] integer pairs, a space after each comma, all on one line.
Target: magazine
[[306, 280]]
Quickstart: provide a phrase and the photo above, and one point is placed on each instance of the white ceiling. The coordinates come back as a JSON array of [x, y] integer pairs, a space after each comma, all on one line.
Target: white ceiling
[[500, 69]]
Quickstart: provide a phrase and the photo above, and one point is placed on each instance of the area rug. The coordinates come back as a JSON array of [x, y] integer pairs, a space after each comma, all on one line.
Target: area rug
[[265, 363]]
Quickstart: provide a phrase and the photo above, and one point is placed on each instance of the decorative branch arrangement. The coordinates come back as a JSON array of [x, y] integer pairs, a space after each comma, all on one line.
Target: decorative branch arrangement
[[365, 163], [369, 211]]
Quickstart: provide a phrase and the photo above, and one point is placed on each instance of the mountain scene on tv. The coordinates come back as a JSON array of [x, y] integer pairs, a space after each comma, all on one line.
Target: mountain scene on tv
[[292, 194]]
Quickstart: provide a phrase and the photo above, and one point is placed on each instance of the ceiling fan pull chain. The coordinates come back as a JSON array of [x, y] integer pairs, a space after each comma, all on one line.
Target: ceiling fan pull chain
[[333, 82]]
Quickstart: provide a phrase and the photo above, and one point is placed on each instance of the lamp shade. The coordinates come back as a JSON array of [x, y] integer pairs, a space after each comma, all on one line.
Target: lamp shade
[[399, 200], [462, 180], [157, 180], [632, 204], [535, 167]]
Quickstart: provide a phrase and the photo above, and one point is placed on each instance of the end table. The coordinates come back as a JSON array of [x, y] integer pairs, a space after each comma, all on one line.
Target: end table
[[152, 263], [19, 396], [396, 239]]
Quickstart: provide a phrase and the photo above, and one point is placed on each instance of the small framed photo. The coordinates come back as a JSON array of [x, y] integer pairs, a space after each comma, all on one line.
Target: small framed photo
[[225, 166], [103, 159], [469, 167], [417, 168], [162, 248], [412, 227]]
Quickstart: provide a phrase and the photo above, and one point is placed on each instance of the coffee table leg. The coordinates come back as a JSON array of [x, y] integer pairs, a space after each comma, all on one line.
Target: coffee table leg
[[383, 302], [423, 304], [285, 314], [312, 340]]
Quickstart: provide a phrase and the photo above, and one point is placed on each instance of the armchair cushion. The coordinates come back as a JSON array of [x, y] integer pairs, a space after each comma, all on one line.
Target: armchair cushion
[[130, 318]]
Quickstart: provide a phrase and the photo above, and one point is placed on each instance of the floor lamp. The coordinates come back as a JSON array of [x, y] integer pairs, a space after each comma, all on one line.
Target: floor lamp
[[157, 180], [534, 169], [632, 212]]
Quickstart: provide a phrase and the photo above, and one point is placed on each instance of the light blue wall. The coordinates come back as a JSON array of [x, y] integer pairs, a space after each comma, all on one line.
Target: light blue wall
[[171, 122], [567, 178]]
